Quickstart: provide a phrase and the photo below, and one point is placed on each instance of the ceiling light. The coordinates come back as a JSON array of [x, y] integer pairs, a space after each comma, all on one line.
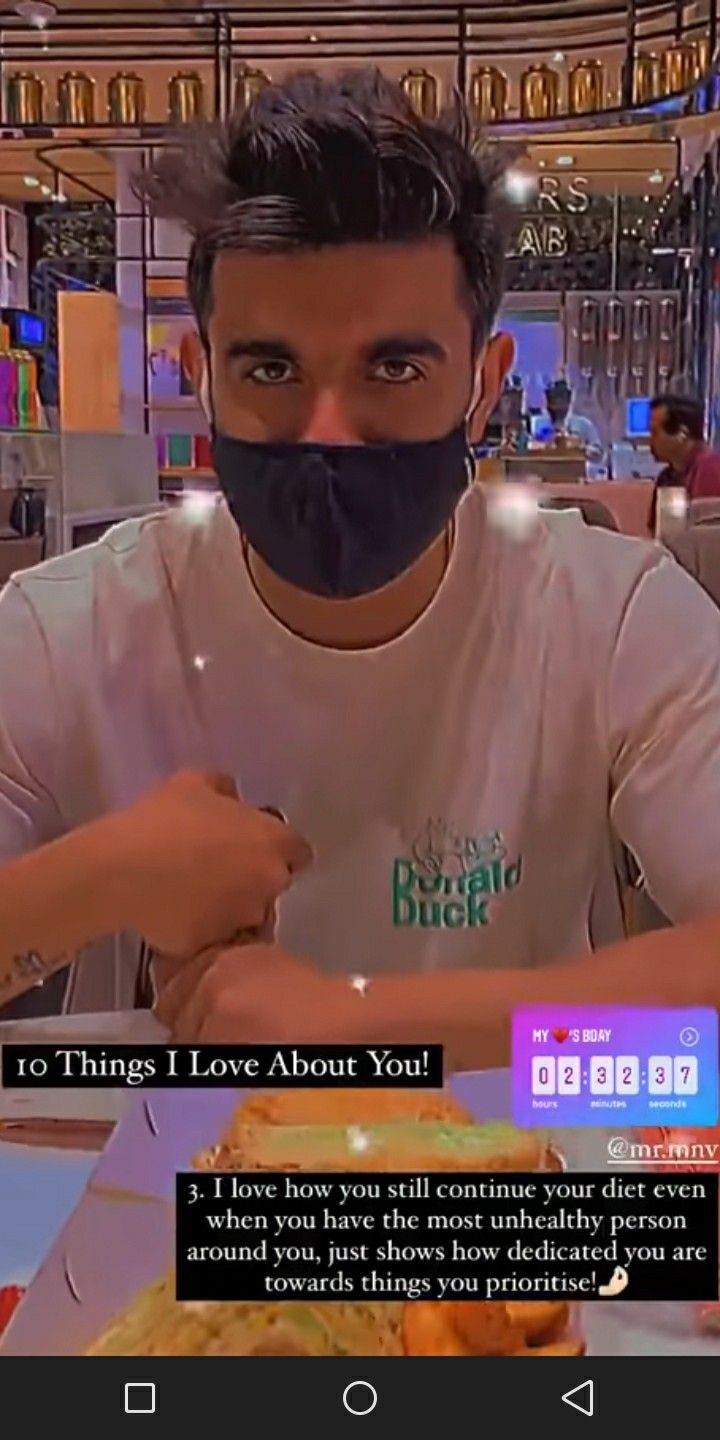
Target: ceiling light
[[46, 189], [655, 177], [313, 39], [558, 57], [31, 181], [520, 185], [38, 12], [565, 160]]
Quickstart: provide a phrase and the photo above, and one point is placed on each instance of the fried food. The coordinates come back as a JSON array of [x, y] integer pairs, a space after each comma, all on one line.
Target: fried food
[[564, 1347], [428, 1330], [540, 1321], [486, 1327], [346, 1107]]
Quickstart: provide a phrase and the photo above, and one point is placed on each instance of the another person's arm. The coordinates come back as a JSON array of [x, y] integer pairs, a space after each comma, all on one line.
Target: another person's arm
[[661, 700]]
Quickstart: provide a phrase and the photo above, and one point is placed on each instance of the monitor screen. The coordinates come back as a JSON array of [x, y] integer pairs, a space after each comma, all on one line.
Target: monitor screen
[[27, 330], [31, 329], [637, 419]]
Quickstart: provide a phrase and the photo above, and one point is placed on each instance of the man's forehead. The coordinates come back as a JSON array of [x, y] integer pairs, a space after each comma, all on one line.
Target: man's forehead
[[337, 284]]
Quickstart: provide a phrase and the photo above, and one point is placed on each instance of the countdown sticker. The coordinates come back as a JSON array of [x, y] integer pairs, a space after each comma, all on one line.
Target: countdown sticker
[[583, 1065]]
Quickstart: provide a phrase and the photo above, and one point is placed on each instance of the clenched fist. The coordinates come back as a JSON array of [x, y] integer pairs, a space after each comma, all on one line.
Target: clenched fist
[[194, 866], [257, 995]]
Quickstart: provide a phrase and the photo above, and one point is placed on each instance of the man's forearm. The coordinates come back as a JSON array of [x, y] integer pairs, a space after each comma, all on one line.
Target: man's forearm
[[53, 901], [470, 1011]]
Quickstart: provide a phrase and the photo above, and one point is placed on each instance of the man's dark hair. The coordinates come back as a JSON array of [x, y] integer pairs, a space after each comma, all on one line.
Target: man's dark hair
[[681, 413], [318, 162]]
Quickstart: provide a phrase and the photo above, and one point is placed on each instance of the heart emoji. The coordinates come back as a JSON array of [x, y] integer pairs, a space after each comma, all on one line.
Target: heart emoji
[[560, 1035]]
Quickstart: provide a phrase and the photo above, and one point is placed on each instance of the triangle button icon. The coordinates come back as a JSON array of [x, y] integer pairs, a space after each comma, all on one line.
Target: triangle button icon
[[582, 1398]]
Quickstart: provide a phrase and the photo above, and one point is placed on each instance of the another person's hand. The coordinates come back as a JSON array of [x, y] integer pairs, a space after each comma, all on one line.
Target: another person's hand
[[255, 995], [194, 866]]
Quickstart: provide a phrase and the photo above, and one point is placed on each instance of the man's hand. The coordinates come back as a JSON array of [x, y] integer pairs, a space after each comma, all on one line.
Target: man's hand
[[255, 995], [192, 866]]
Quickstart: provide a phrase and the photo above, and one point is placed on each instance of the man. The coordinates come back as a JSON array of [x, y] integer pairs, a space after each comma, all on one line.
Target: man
[[463, 724], [677, 440]]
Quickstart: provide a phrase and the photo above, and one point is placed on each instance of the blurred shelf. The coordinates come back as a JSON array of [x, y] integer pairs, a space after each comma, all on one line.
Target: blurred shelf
[[171, 472]]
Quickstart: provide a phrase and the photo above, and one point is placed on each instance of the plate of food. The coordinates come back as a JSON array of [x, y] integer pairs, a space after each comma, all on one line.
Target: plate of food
[[108, 1287]]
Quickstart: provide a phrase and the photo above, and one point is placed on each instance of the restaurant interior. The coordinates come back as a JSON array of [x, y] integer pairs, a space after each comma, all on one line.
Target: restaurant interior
[[611, 111], [613, 114]]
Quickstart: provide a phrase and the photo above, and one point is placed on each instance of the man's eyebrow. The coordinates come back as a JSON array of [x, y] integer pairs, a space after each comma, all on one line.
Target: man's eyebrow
[[396, 347], [247, 348]]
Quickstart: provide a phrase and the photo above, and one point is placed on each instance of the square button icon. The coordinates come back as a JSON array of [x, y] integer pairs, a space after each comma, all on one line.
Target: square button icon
[[140, 1398]]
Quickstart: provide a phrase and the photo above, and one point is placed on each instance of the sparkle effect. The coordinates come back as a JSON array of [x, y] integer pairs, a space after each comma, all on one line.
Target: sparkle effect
[[359, 983], [200, 662], [198, 504], [357, 1140], [513, 509]]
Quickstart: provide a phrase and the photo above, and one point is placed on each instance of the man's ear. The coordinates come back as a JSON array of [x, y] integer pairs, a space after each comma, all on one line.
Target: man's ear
[[493, 365], [194, 365]]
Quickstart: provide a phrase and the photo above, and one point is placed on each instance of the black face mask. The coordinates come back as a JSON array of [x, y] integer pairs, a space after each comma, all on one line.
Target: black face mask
[[342, 520]]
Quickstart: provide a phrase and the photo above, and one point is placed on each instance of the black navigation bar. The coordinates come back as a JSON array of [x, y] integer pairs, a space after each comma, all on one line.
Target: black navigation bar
[[331, 1397]]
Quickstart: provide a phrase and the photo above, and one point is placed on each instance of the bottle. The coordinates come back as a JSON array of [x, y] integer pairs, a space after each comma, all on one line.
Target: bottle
[[7, 389], [24, 391]]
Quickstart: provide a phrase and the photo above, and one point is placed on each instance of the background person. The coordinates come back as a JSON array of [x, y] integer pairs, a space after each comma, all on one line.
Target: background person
[[677, 440]]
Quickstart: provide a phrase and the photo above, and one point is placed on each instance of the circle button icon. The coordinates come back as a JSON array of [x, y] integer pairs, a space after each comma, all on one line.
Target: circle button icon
[[360, 1397], [689, 1036]]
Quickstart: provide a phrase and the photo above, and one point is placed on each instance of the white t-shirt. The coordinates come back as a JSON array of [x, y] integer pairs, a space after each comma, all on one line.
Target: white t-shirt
[[462, 785]]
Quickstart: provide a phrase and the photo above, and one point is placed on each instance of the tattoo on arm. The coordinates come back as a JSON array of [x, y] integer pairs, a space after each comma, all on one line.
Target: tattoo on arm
[[32, 965], [29, 969]]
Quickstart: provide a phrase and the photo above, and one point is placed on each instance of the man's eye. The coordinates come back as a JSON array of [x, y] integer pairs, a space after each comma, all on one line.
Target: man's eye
[[397, 372], [271, 372]]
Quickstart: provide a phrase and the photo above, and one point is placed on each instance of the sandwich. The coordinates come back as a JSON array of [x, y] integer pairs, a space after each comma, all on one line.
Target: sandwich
[[347, 1107], [345, 1131], [368, 1130], [404, 1146], [156, 1324]]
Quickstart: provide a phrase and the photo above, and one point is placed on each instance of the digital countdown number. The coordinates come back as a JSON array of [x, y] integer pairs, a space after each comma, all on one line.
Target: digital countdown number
[[583, 1066]]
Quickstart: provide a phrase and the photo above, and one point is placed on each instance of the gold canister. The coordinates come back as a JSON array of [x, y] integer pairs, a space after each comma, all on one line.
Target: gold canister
[[678, 68], [647, 78], [702, 55], [126, 99], [248, 84], [185, 98], [586, 88], [76, 99], [488, 95], [421, 89], [539, 93], [25, 99]]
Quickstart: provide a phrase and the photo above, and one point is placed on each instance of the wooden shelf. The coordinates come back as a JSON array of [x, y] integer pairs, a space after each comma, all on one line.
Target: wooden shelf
[[172, 471]]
